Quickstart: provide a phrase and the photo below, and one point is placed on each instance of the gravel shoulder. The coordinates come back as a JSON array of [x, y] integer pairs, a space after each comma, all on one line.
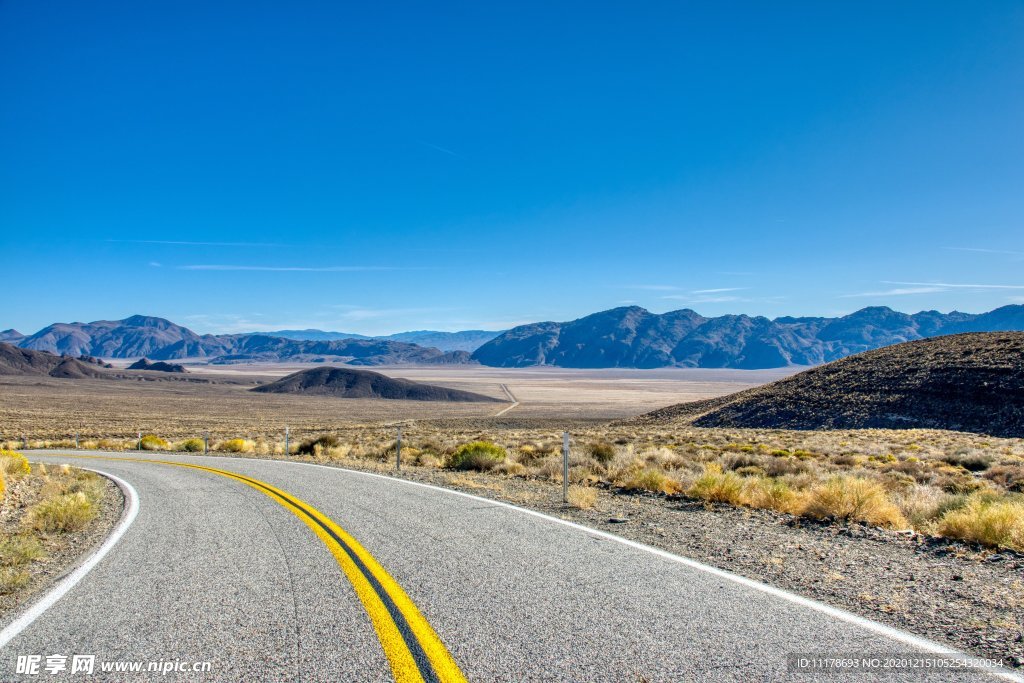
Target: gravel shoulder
[[63, 552], [966, 597]]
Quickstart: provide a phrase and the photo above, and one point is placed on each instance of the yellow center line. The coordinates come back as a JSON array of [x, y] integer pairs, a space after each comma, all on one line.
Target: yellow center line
[[402, 655]]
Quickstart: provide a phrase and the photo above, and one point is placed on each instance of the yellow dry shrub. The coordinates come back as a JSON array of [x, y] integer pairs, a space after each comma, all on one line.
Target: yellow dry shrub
[[582, 497], [236, 446], [988, 521], [717, 486], [61, 514], [855, 499]]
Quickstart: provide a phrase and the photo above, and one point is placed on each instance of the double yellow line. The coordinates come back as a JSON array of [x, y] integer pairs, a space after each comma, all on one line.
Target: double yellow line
[[414, 651]]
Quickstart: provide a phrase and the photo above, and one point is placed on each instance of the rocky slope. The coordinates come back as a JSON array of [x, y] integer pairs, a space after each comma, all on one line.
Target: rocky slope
[[971, 382], [25, 362]]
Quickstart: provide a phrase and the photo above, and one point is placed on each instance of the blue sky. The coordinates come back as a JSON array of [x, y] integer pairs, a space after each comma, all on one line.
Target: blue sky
[[377, 167]]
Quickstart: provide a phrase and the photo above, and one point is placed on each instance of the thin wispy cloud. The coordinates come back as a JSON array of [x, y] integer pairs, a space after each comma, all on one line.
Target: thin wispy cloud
[[986, 251], [155, 264], [898, 291], [949, 285], [288, 269], [719, 290], [441, 149], [200, 244]]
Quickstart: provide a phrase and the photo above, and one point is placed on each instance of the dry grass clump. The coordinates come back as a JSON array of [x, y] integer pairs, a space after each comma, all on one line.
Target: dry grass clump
[[62, 514], [987, 520], [582, 497], [235, 446], [13, 579], [152, 442], [854, 498], [717, 486], [649, 479], [19, 550]]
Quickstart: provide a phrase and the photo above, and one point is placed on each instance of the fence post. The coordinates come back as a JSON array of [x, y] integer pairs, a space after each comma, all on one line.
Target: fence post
[[565, 467], [398, 450], [24, 442], [287, 433]]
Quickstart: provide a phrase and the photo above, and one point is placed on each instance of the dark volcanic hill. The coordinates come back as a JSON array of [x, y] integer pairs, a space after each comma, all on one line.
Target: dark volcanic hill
[[970, 382], [159, 366], [15, 361], [634, 337], [349, 383]]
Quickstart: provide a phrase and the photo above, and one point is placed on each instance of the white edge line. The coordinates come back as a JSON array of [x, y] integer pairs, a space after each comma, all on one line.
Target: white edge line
[[973, 662], [13, 629], [849, 617]]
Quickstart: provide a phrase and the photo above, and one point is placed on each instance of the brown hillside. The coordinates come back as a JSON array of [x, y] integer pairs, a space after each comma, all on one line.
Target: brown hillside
[[15, 361], [967, 382], [349, 383]]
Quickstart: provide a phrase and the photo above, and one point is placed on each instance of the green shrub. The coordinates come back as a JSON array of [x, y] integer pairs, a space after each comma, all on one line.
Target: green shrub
[[152, 442], [324, 441], [478, 455], [602, 451], [192, 445]]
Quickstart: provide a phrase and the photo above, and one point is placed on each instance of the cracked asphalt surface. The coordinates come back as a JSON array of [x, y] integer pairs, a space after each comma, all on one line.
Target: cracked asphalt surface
[[212, 570]]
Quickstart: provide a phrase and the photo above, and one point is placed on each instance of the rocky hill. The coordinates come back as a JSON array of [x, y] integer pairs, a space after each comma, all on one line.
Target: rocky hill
[[634, 337], [25, 362], [158, 366], [11, 336], [349, 383], [971, 382]]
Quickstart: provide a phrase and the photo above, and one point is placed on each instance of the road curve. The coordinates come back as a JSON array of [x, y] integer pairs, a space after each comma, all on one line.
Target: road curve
[[216, 570]]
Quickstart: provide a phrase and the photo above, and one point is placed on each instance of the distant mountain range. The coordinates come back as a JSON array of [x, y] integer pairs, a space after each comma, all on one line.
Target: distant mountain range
[[629, 337], [632, 337], [158, 339], [467, 340]]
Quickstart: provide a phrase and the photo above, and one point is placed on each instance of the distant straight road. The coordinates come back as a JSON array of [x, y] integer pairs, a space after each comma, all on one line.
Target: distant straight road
[[276, 571]]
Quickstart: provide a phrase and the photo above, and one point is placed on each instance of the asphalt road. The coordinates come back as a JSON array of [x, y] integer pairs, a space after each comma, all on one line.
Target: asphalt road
[[221, 570]]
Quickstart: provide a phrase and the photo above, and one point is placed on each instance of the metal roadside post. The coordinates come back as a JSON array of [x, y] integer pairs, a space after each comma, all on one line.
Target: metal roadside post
[[76, 441], [398, 451], [138, 444], [206, 443], [565, 467], [287, 433]]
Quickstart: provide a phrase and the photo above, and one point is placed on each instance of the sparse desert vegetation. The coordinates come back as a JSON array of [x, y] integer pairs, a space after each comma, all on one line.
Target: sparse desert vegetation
[[43, 512], [955, 485]]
